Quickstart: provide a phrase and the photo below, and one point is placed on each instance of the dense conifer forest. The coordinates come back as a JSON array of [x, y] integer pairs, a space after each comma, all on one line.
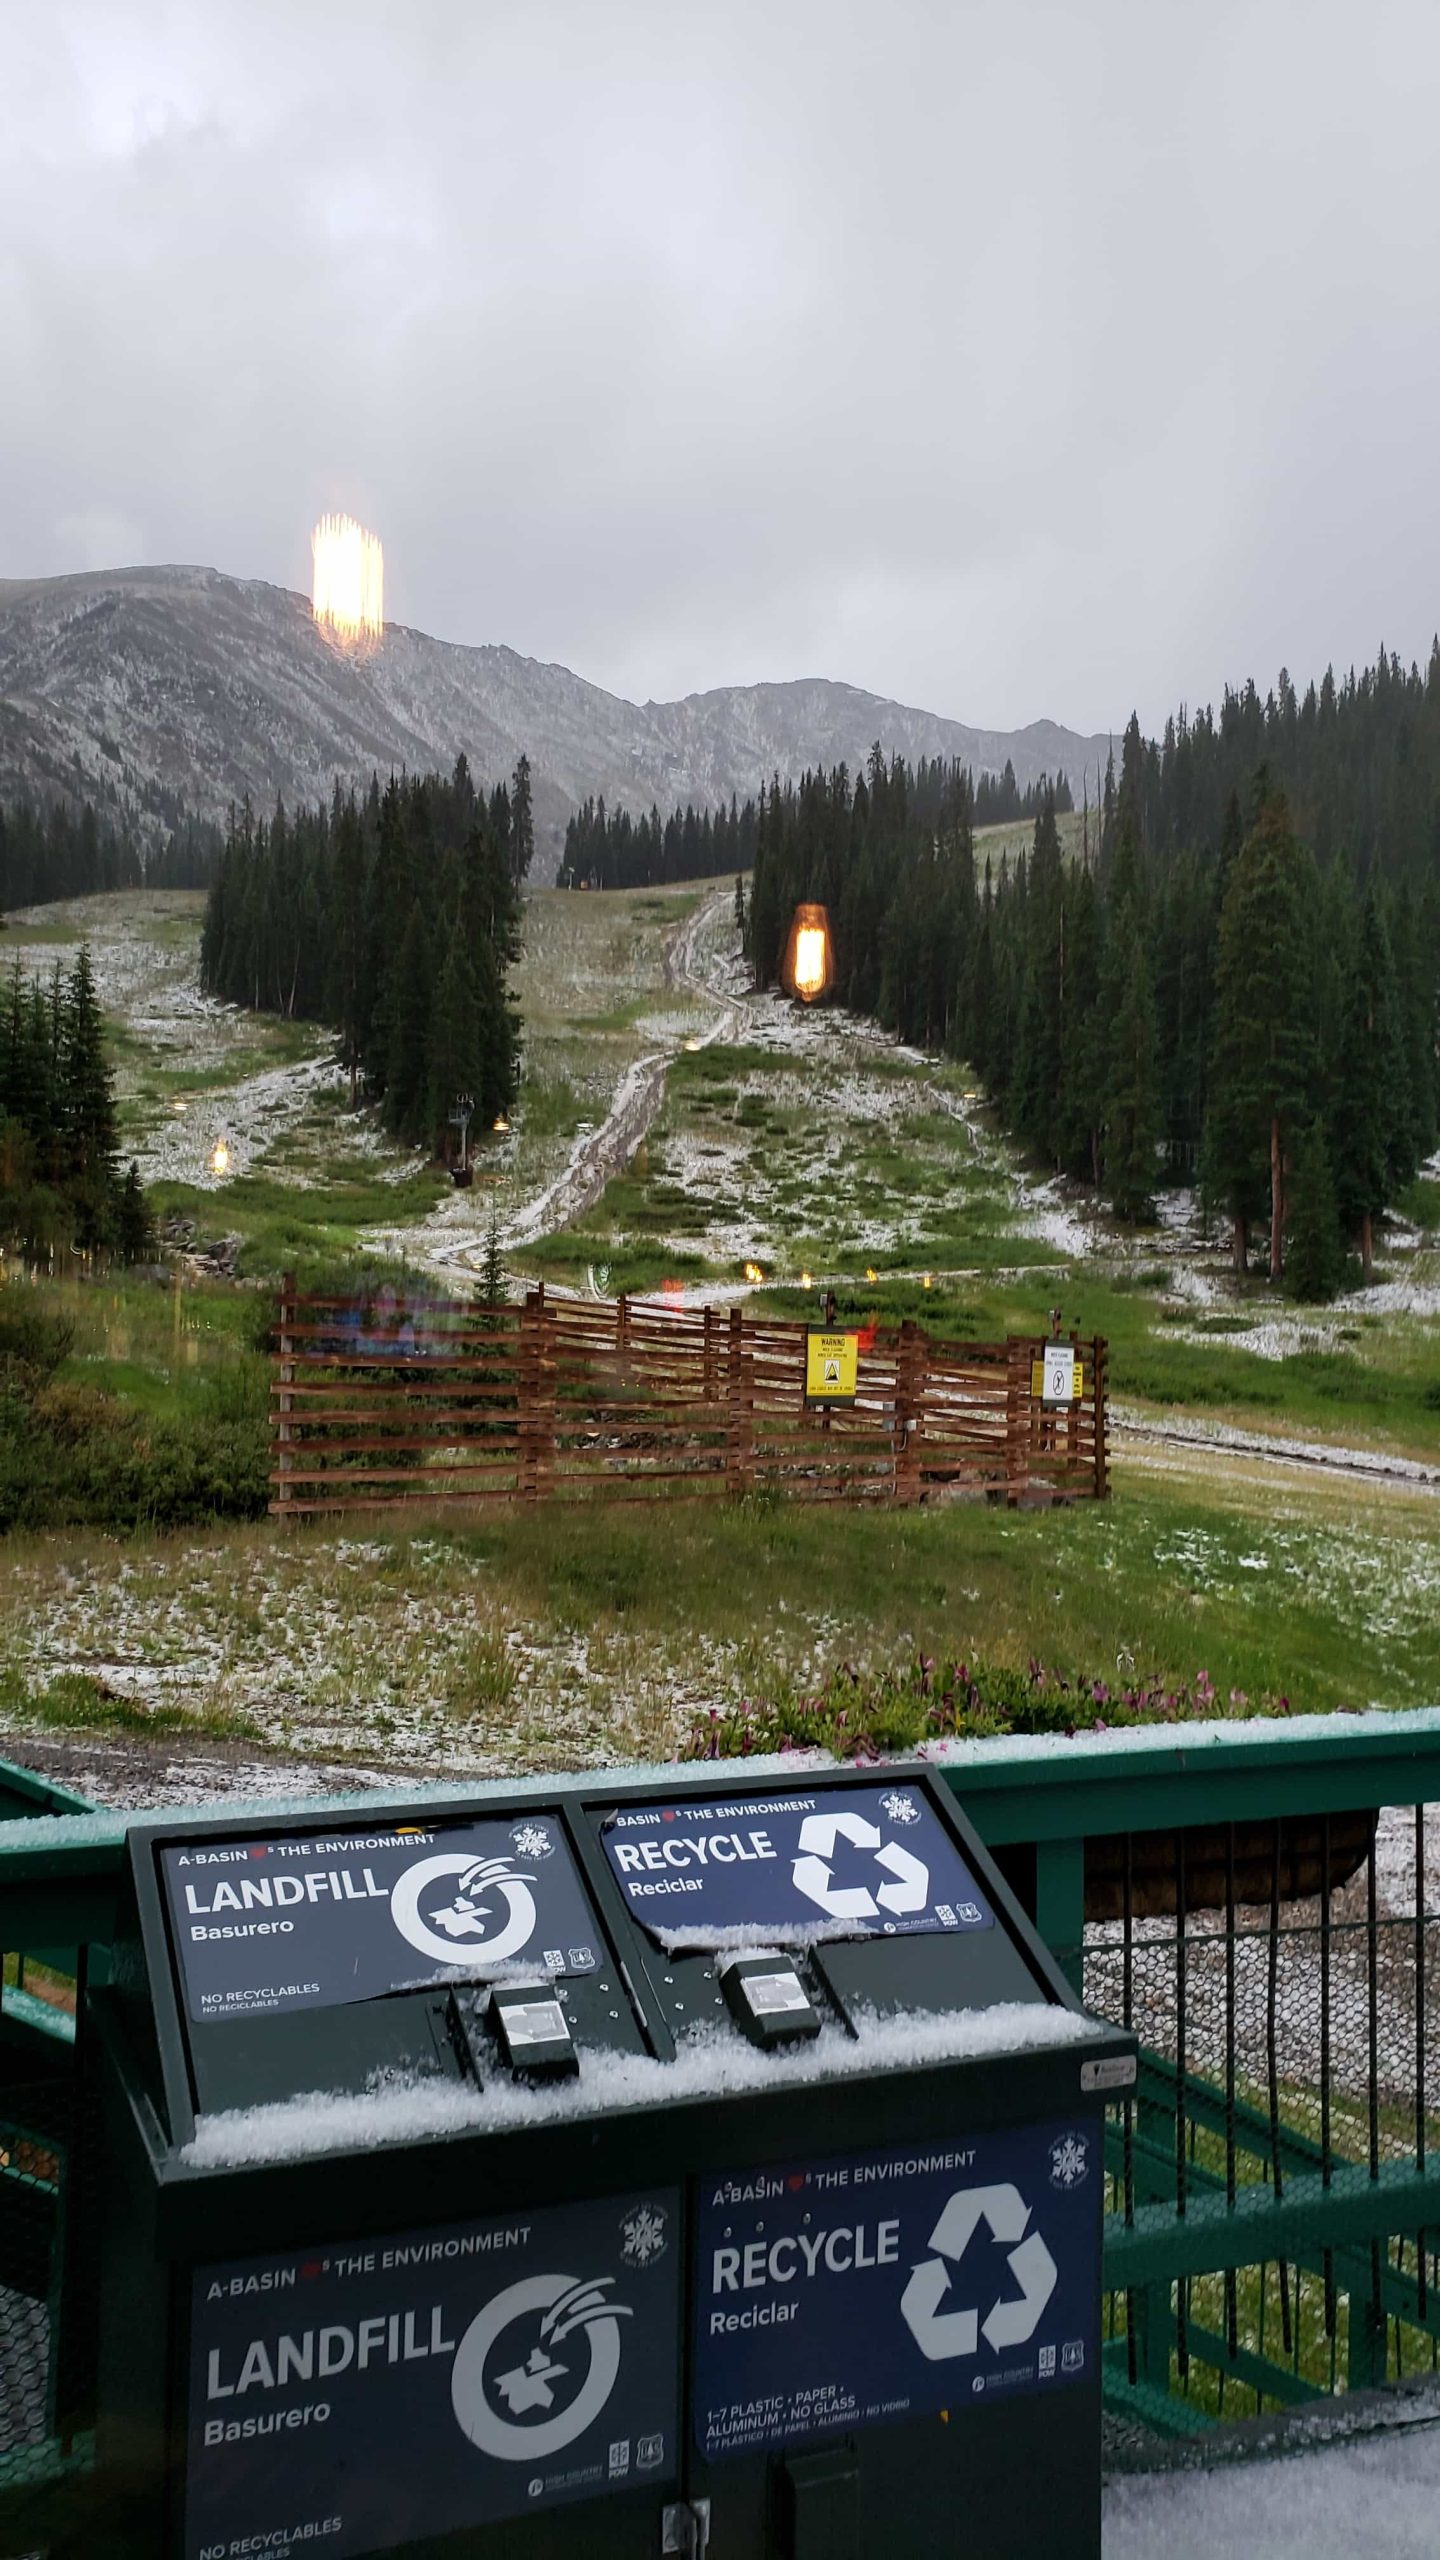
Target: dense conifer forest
[[60, 1181], [608, 849], [611, 850], [1237, 982], [55, 851], [395, 917]]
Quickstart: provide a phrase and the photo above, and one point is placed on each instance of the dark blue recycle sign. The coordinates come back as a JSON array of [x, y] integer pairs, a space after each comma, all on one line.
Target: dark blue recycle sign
[[408, 2386], [873, 1860], [835, 2294], [289, 1922]]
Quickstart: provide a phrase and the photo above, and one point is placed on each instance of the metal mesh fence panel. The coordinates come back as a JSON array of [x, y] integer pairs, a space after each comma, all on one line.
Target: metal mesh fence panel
[[1288, 2047]]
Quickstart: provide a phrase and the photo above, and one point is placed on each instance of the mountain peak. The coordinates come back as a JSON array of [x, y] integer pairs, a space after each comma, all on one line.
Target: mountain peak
[[157, 689]]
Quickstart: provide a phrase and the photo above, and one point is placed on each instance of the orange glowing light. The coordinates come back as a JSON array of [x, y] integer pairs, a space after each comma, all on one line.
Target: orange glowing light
[[219, 1157], [871, 1276], [348, 586], [501, 1126], [808, 969], [805, 1280], [754, 1274]]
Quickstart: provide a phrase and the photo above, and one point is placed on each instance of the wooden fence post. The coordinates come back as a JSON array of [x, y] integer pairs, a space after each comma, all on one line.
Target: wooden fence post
[[286, 1319], [1017, 1419], [527, 1394], [739, 1439], [1102, 1419], [909, 1401]]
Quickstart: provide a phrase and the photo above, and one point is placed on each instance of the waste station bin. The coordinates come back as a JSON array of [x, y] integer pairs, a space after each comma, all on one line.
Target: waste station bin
[[686, 2164]]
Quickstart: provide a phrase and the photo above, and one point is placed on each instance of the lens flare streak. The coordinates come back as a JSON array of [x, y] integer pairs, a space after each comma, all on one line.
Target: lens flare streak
[[348, 589]]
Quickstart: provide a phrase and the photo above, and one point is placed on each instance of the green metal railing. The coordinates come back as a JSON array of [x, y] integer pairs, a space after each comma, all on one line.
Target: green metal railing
[[1274, 2179]]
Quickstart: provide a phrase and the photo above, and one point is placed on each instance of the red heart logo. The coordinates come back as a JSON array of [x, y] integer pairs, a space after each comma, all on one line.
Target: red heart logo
[[667, 1817], [312, 2267], [794, 2183]]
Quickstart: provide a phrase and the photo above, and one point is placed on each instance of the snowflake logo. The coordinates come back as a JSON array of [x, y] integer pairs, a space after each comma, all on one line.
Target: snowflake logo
[[530, 1841], [1070, 2161], [901, 1808], [643, 2236]]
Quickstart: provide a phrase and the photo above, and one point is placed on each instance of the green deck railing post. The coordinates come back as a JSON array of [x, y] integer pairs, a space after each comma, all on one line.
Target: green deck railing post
[[1060, 1904]]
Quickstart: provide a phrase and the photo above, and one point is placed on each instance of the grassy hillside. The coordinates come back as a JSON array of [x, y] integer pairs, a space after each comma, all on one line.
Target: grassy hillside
[[672, 1127]]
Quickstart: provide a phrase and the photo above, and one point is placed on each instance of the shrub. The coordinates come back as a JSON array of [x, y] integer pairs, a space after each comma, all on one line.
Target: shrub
[[856, 1717], [33, 1342], [76, 1457]]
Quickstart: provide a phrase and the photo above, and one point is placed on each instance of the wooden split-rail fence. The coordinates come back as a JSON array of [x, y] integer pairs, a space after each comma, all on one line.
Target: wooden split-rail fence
[[392, 1399]]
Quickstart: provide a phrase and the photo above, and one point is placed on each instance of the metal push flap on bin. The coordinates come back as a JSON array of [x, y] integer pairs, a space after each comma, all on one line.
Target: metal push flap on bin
[[865, 1860], [318, 1920]]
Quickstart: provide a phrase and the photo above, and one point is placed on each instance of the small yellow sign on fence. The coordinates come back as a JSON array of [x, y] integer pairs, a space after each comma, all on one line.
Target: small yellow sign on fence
[[832, 1362], [1059, 1377]]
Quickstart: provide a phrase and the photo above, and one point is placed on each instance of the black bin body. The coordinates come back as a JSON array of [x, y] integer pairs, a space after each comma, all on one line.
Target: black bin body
[[605, 2169]]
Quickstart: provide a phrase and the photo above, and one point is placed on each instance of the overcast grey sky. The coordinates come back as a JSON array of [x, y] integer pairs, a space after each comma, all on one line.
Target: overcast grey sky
[[1020, 360]]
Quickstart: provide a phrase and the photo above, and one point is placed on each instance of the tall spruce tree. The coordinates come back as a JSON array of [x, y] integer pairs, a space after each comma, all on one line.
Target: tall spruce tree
[[1264, 1056], [407, 1059], [1371, 1102], [455, 1060], [1315, 1258]]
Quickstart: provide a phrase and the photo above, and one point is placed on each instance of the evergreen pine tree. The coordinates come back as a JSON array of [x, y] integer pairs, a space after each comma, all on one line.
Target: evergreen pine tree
[[351, 995], [494, 1282], [454, 1060], [1371, 1100], [134, 1225], [1264, 1056], [1315, 1259], [407, 1066], [522, 823], [1130, 1095]]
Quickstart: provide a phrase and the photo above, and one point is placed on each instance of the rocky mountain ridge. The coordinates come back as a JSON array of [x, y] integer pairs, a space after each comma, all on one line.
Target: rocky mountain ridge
[[156, 690]]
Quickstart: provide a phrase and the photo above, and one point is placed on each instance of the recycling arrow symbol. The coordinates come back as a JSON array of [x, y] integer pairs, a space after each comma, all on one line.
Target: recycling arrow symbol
[[814, 1877], [939, 2333]]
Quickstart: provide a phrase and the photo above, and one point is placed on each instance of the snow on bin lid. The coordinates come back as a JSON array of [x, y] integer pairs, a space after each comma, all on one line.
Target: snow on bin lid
[[864, 1861], [716, 2064]]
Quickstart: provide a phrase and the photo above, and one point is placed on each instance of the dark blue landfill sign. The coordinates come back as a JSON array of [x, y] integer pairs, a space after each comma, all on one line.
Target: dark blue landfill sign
[[873, 1860], [311, 1922], [834, 2294], [412, 2385]]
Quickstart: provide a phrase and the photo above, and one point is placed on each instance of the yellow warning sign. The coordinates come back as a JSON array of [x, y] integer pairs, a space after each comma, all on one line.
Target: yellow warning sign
[[1059, 1377], [832, 1361]]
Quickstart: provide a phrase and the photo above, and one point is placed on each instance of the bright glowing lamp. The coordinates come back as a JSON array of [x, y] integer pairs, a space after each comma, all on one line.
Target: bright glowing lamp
[[808, 969]]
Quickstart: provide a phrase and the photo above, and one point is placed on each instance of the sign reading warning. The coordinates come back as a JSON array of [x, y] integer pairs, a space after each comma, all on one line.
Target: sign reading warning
[[311, 1923], [425, 2382], [832, 1363], [835, 2294], [875, 1860]]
